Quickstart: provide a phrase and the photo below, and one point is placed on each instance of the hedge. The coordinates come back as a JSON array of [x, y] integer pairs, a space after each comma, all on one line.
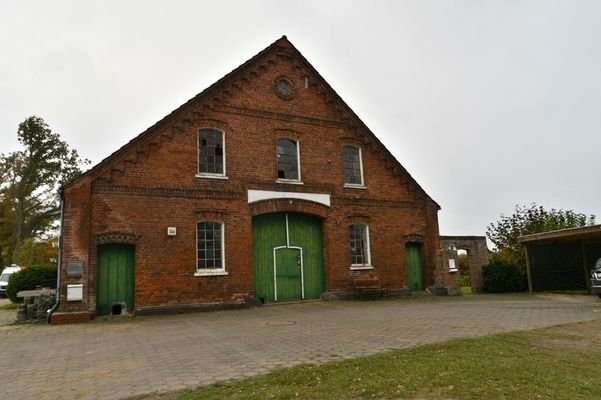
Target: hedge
[[502, 276], [27, 279]]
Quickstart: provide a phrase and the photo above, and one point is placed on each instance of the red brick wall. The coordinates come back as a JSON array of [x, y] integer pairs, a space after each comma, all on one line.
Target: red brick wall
[[70, 317], [151, 185]]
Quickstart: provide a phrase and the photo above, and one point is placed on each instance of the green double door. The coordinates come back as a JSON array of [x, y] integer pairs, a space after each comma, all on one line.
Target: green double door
[[287, 257], [115, 279], [415, 270]]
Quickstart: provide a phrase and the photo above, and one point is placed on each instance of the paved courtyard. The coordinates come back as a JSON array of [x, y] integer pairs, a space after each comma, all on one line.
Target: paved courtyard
[[118, 358]]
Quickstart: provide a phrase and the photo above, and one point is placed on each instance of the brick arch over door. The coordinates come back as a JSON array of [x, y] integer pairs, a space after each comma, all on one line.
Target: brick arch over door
[[117, 237], [289, 205]]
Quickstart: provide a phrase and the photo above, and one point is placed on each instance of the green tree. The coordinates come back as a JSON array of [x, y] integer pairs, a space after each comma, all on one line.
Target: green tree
[[35, 252], [504, 233], [29, 182], [463, 263]]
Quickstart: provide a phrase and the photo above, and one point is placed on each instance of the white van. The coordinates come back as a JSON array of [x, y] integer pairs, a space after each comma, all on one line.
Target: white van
[[6, 273]]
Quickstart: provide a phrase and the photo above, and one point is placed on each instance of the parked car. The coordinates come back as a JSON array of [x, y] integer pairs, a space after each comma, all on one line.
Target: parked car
[[4, 278], [596, 278]]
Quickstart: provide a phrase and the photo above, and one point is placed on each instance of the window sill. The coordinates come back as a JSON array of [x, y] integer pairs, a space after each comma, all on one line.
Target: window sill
[[211, 273], [211, 176], [354, 186], [361, 267], [289, 181]]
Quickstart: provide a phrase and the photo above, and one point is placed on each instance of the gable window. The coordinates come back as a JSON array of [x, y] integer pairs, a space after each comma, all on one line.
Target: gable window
[[211, 153], [288, 160], [359, 240], [353, 166], [209, 248]]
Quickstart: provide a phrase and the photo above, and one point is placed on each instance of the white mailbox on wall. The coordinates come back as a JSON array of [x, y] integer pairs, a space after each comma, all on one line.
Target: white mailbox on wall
[[452, 265], [74, 292]]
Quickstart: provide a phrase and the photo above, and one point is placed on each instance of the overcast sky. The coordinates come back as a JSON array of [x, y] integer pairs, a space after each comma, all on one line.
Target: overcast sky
[[488, 104]]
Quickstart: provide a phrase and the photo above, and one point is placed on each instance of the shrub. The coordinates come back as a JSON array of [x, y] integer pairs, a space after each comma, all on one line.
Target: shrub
[[502, 276], [28, 279]]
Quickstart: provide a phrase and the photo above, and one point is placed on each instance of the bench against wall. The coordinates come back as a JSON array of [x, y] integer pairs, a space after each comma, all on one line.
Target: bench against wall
[[369, 285]]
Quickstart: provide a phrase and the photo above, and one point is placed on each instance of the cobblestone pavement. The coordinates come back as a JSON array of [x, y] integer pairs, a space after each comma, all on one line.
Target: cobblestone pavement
[[118, 358]]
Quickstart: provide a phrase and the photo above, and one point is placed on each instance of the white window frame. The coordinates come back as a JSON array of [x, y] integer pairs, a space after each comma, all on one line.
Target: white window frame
[[367, 250], [210, 175], [211, 271], [354, 185], [298, 166]]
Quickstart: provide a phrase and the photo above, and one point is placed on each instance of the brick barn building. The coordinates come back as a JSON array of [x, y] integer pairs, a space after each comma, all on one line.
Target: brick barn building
[[265, 187]]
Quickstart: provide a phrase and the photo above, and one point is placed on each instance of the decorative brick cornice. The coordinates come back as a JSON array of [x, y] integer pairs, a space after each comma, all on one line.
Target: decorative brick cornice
[[168, 192], [117, 237], [249, 112], [345, 201]]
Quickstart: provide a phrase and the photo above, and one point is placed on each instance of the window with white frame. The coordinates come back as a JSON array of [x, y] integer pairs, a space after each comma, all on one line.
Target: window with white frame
[[209, 248], [359, 240], [353, 166], [211, 152], [288, 160]]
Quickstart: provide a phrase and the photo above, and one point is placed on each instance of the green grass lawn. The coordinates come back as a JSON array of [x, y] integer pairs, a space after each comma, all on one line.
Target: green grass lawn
[[466, 290], [9, 306], [554, 363]]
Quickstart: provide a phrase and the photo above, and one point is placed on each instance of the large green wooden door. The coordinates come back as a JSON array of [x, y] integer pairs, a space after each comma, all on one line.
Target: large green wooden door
[[115, 279], [306, 232], [288, 274], [415, 271], [294, 242]]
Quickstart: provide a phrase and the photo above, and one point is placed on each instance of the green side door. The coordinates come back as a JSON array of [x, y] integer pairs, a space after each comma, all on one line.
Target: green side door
[[415, 271], [115, 279], [288, 274], [295, 243]]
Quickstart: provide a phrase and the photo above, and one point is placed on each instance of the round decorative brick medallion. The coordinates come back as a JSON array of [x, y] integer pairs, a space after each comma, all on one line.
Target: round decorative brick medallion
[[284, 89]]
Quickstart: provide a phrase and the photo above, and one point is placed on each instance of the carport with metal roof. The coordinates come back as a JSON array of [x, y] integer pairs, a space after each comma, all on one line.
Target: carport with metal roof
[[562, 259]]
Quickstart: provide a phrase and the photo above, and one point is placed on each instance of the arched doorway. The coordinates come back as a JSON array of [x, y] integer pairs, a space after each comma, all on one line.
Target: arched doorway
[[287, 257], [115, 279]]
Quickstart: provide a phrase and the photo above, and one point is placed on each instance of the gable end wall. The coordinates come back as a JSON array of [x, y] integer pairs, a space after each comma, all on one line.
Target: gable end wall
[[150, 185]]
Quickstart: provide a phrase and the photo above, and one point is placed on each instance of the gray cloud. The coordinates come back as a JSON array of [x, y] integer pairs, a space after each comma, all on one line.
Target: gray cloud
[[487, 103]]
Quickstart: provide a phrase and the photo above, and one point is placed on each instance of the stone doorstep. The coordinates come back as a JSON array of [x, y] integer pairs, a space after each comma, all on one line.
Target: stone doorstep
[[186, 308], [70, 317]]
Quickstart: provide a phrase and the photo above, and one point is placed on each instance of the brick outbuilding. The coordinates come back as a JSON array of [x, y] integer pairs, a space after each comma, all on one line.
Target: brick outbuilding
[[265, 187]]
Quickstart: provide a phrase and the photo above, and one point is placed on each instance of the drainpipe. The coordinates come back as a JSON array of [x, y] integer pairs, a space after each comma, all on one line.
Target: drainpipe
[[60, 260]]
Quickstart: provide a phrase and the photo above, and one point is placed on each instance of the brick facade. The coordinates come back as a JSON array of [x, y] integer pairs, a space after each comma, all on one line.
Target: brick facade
[[151, 184], [477, 258]]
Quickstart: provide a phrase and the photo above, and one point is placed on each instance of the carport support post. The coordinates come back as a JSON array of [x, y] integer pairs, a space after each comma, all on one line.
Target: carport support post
[[528, 269]]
